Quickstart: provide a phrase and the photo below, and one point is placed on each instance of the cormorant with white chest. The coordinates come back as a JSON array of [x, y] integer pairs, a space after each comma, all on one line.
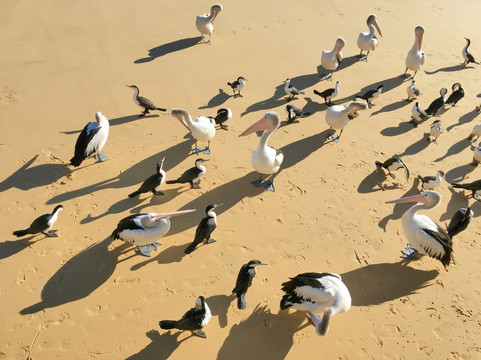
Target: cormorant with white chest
[[244, 281], [144, 103], [192, 175], [413, 91], [457, 94], [238, 85], [152, 183], [291, 91], [431, 182], [393, 164], [329, 94], [468, 57], [370, 95], [42, 224], [435, 131], [205, 229]]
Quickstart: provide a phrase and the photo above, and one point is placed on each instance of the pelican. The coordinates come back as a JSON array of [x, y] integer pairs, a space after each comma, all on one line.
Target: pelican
[[416, 57], [425, 237], [202, 128], [265, 160], [142, 230], [468, 57], [367, 41], [338, 116], [314, 292], [330, 60], [205, 23], [413, 91]]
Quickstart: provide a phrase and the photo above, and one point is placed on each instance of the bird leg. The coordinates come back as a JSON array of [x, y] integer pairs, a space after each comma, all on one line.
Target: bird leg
[[195, 185], [197, 150], [50, 233], [392, 175], [224, 127], [365, 57], [209, 241], [200, 333], [100, 157], [327, 77], [146, 249], [208, 41], [410, 253], [267, 184], [206, 150], [334, 137]]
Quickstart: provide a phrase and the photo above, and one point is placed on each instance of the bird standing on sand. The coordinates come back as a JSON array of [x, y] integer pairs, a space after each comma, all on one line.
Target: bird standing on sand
[[329, 94], [330, 60], [293, 112], [338, 116], [431, 182], [477, 155], [223, 114], [457, 94], [238, 85], [424, 236], [193, 320], [143, 230], [202, 128], [153, 183], [244, 280], [192, 175], [315, 292], [468, 57], [418, 115], [291, 91], [413, 91], [435, 131], [474, 187], [205, 23], [370, 95], [393, 164], [438, 103], [205, 229], [265, 159], [367, 41], [460, 221], [416, 58], [91, 141], [144, 103], [42, 224], [475, 133]]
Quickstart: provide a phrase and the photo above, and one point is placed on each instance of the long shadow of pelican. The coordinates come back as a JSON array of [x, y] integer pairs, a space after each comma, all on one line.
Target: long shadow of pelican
[[375, 284], [115, 121], [168, 48], [79, 276], [161, 347], [391, 107]]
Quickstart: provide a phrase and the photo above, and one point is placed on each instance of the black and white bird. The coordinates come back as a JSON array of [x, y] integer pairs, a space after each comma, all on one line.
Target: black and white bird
[[291, 91], [43, 224], [393, 164], [329, 94], [238, 85], [457, 94], [143, 230], [418, 114], [367, 41], [293, 112], [477, 155], [468, 57], [192, 175], [316, 292], [193, 320], [370, 95], [244, 280], [435, 131], [438, 103], [144, 103], [475, 133], [431, 182], [153, 183], [460, 221], [413, 91], [91, 141], [424, 236], [205, 229], [223, 114], [474, 187]]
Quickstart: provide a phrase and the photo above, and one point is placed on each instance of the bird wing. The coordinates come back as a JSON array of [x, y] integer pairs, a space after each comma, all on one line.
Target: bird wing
[[191, 319], [189, 174], [95, 141], [205, 228], [244, 280], [40, 224], [436, 243], [150, 183], [146, 103], [127, 223], [86, 135], [459, 221]]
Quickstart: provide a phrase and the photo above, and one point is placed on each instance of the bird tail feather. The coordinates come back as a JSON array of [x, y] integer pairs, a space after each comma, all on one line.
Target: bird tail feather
[[317, 93], [378, 163], [161, 109], [241, 302], [460, 186], [172, 181], [230, 84], [76, 161], [167, 324], [135, 193], [20, 232], [190, 248]]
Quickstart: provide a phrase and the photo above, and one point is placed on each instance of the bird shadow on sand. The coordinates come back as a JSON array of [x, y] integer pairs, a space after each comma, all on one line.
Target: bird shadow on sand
[[134, 175], [455, 149], [27, 177], [375, 284], [399, 209], [374, 182], [9, 248], [263, 335], [161, 346], [449, 69], [466, 118], [115, 121], [391, 107], [345, 63], [402, 128], [459, 173], [279, 98], [417, 147], [217, 100], [168, 48], [219, 306], [460, 198], [79, 276]]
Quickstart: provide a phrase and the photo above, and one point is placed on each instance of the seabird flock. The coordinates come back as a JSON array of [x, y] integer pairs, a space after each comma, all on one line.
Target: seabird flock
[[313, 292]]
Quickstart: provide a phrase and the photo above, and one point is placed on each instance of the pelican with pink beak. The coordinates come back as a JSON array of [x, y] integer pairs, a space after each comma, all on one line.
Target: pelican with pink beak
[[367, 41], [202, 128], [416, 57], [330, 60], [425, 237], [205, 23], [143, 230], [265, 159]]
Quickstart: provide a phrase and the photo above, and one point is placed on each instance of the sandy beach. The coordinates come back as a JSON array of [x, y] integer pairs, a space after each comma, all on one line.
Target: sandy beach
[[82, 295]]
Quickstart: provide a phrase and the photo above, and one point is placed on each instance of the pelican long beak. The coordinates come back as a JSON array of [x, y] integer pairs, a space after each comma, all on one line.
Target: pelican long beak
[[339, 48], [415, 198], [262, 124], [420, 41], [180, 118], [174, 213], [377, 28]]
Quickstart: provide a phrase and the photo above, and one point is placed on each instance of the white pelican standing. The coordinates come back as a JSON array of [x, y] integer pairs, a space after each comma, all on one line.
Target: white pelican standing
[[205, 22], [314, 292], [265, 159], [416, 57], [143, 230], [367, 41], [338, 116], [202, 128], [425, 237], [330, 60]]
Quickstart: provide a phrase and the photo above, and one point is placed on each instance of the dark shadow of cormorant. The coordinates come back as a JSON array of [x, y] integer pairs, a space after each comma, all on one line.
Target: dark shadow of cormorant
[[459, 174], [449, 69], [312, 107], [219, 306], [168, 48], [161, 347], [27, 178], [167, 255], [262, 335], [116, 121], [398, 210], [417, 147], [373, 182], [217, 100], [403, 127], [135, 175], [466, 118], [79, 276], [375, 284], [456, 202], [455, 149], [9, 248], [391, 107]]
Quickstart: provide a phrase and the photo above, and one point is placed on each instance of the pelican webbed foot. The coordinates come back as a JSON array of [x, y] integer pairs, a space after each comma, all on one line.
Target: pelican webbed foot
[[146, 249], [267, 184], [326, 77], [364, 59], [158, 192], [206, 150], [410, 253], [333, 137], [224, 127], [210, 241], [100, 157], [200, 333], [197, 150], [195, 186]]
